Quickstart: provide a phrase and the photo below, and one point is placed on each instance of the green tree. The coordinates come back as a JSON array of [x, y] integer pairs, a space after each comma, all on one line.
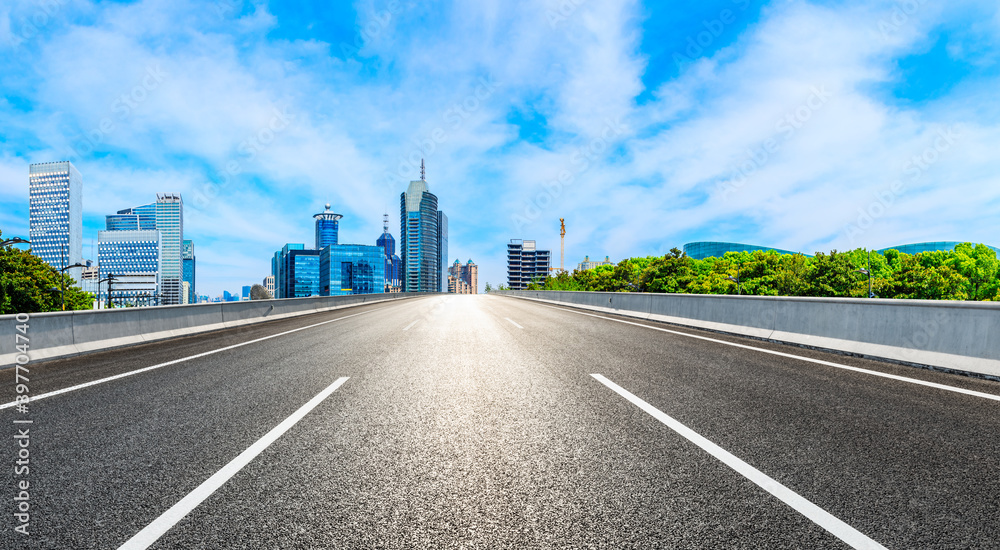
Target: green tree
[[923, 277], [832, 274], [979, 265], [29, 285], [488, 287], [672, 273]]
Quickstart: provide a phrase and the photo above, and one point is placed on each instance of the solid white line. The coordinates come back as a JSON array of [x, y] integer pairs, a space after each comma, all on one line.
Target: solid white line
[[513, 323], [410, 325], [824, 519], [152, 532], [174, 362], [799, 357]]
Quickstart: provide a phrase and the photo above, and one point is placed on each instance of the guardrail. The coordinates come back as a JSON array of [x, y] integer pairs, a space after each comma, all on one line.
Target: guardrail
[[67, 333], [959, 336]]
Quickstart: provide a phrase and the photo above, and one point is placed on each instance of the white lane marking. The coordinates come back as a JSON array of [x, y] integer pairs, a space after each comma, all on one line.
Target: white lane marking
[[152, 532], [174, 362], [410, 325], [513, 323], [799, 357], [819, 516]]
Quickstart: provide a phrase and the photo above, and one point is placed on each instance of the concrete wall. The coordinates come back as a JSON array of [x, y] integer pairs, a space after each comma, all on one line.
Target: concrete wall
[[962, 336], [66, 333]]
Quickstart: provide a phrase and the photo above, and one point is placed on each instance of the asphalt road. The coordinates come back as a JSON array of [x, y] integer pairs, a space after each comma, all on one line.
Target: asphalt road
[[475, 422]]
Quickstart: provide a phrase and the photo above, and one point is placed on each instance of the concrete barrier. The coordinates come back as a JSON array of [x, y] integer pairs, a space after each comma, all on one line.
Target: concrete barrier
[[959, 336], [67, 333]]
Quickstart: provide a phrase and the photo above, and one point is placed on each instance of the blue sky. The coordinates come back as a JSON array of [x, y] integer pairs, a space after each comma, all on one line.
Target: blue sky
[[801, 125]]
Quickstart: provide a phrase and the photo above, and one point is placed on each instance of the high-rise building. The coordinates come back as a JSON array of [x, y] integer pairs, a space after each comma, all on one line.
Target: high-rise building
[[463, 278], [392, 261], [133, 258], [296, 271], [55, 214], [133, 219], [422, 268], [442, 242], [525, 263], [245, 296], [170, 223], [269, 285], [351, 269], [188, 260], [327, 227]]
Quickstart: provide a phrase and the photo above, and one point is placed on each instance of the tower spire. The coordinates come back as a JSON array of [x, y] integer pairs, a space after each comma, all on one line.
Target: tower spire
[[385, 223], [423, 173]]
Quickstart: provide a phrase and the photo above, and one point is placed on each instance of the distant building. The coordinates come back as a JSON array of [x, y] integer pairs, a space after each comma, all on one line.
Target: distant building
[[422, 238], [917, 248], [296, 271], [710, 249], [327, 228], [269, 284], [55, 214], [245, 296], [442, 250], [185, 293], [188, 260], [525, 263], [89, 282], [463, 279], [587, 264], [139, 218], [133, 258], [392, 262]]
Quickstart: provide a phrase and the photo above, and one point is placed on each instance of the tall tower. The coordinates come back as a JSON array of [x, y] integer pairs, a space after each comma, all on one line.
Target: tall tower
[[419, 237], [392, 261], [170, 223], [55, 214], [327, 227]]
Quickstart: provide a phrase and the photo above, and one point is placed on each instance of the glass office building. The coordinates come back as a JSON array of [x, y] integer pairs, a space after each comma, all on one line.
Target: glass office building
[[352, 269], [133, 257], [443, 251], [140, 218], [327, 227], [388, 245], [421, 262], [296, 272], [55, 214], [188, 261], [170, 224], [709, 249]]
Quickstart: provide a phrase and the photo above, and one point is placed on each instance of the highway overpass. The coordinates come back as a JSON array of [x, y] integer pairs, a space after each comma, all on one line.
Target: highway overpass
[[494, 422]]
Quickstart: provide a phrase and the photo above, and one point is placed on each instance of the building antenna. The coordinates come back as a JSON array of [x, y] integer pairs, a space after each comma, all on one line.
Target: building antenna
[[385, 223], [423, 172]]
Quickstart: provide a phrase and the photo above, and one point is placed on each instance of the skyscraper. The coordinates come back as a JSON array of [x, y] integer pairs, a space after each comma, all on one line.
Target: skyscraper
[[188, 259], [170, 223], [133, 219], [55, 214], [392, 261], [421, 238], [442, 246], [327, 227], [296, 271], [133, 257]]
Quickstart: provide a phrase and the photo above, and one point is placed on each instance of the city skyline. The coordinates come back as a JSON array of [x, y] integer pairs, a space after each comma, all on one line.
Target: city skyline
[[801, 126]]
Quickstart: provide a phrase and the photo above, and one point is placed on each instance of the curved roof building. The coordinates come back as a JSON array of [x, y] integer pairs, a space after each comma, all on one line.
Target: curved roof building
[[917, 248], [709, 249]]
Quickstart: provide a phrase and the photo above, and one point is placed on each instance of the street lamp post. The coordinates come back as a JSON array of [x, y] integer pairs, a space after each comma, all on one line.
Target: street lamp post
[[868, 272], [15, 240], [62, 281], [736, 280], [110, 278]]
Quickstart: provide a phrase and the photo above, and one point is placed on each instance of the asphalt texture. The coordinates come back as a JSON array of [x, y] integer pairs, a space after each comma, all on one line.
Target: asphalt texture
[[466, 431]]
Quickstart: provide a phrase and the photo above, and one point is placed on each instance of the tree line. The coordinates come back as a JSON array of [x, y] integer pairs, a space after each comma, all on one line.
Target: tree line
[[968, 272]]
